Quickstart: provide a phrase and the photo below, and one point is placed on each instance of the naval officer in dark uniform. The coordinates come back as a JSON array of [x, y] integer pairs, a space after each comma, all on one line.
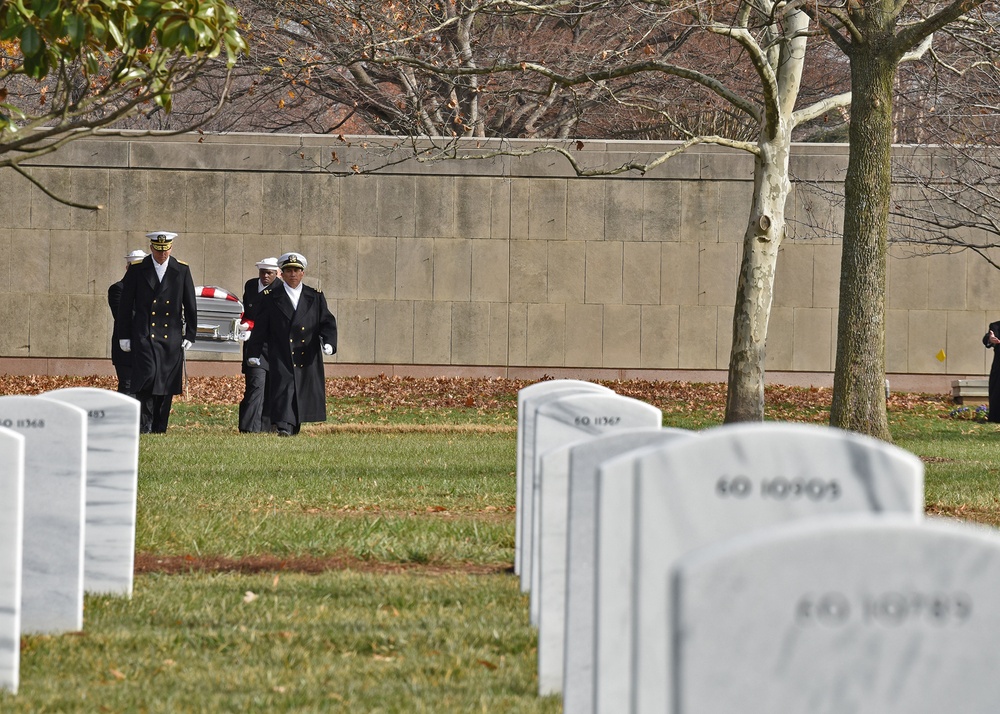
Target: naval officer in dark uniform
[[298, 329], [254, 417], [158, 321], [122, 360], [991, 339]]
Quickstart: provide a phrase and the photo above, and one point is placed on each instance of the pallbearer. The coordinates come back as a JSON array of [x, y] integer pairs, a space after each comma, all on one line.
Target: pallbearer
[[158, 321], [122, 360], [254, 417], [297, 328]]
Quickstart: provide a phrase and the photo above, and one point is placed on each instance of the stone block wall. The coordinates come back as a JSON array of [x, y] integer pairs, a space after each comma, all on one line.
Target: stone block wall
[[486, 266]]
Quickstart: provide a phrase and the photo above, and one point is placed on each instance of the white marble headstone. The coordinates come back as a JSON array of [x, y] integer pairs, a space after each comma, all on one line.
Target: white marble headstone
[[612, 681], [558, 423], [527, 407], [55, 458], [575, 653], [868, 615], [112, 480], [568, 506], [734, 479], [11, 518]]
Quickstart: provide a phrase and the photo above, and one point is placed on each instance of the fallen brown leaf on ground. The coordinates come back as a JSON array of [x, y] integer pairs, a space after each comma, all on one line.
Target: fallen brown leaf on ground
[[484, 394]]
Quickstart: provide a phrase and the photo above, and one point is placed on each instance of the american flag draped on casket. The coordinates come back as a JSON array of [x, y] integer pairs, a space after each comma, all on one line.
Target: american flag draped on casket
[[219, 313]]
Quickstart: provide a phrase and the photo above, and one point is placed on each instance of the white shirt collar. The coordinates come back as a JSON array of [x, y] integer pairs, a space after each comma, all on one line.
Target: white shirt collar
[[161, 269], [293, 293]]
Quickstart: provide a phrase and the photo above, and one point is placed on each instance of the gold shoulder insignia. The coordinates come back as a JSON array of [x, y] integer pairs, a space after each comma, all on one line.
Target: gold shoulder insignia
[[182, 262]]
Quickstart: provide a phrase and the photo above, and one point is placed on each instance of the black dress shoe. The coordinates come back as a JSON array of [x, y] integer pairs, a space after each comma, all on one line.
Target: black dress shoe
[[282, 432]]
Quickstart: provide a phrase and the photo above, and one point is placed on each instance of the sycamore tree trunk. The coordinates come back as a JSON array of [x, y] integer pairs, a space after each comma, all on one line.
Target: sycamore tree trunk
[[766, 226], [859, 378], [754, 291]]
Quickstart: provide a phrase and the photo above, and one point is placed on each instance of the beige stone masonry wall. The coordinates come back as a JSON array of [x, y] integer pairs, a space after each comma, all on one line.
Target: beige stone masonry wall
[[487, 266]]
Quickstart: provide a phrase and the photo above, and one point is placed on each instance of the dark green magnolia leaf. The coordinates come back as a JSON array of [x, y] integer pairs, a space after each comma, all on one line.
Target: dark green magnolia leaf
[[44, 8], [202, 32], [116, 34], [168, 32], [139, 35], [36, 66], [12, 27], [235, 40], [97, 26], [31, 41], [76, 30], [188, 39], [148, 9]]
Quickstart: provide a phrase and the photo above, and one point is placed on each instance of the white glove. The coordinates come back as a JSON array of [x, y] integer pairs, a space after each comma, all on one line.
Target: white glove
[[186, 345], [126, 345], [244, 327], [243, 335], [253, 361], [327, 349]]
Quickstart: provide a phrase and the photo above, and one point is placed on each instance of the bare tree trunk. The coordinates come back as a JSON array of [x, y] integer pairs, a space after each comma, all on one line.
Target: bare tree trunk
[[859, 379], [754, 292], [765, 227]]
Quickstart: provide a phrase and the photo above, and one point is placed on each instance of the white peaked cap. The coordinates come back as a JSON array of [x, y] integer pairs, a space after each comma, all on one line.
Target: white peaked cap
[[293, 259]]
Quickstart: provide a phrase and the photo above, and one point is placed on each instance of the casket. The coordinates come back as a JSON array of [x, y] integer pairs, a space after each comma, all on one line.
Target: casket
[[219, 313]]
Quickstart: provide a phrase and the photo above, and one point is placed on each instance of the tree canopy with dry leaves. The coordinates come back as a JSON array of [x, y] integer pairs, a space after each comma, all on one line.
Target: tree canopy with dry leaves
[[69, 68]]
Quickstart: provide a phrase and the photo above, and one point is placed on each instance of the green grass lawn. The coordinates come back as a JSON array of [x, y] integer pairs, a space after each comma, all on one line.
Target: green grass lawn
[[340, 641], [392, 497], [413, 507]]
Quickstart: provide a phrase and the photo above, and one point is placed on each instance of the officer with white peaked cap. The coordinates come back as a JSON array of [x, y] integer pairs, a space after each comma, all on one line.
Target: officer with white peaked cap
[[297, 328], [255, 413], [121, 360], [158, 319]]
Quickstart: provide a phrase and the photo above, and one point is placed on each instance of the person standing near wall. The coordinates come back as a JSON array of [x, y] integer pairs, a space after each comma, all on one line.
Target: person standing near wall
[[121, 360], [991, 339], [257, 388], [298, 329], [158, 319]]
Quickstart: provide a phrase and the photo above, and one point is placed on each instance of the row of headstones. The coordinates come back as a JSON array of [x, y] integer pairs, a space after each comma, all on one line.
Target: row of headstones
[[757, 568], [68, 477]]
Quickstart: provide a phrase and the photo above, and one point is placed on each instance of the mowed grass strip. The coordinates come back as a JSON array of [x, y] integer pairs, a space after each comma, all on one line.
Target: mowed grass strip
[[344, 642], [436, 493], [961, 462], [397, 497]]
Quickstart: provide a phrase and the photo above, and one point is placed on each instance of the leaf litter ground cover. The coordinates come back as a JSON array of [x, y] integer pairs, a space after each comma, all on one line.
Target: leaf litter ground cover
[[301, 574]]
